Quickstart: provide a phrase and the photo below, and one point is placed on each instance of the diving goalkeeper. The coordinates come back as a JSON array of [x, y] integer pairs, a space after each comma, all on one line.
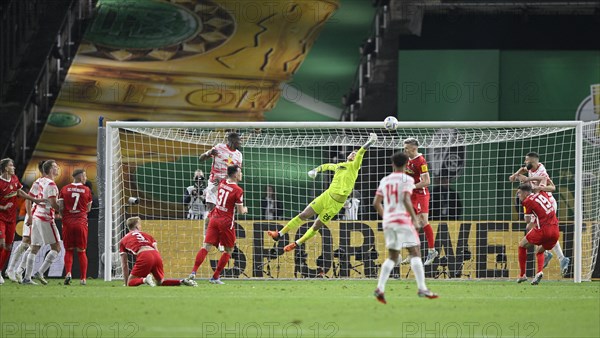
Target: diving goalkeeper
[[331, 201]]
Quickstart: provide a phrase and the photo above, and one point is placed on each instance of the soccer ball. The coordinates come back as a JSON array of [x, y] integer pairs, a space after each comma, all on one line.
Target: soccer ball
[[390, 123]]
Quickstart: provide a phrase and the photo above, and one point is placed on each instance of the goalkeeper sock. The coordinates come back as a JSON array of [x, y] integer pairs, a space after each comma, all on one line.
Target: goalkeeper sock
[[417, 266], [68, 262], [171, 282], [310, 233], [558, 251], [522, 260], [83, 264], [540, 261], [429, 236], [291, 225], [386, 269], [199, 259], [221, 265], [135, 281]]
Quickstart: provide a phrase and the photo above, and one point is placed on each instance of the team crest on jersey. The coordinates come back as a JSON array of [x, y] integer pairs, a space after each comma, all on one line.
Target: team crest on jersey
[[408, 170]]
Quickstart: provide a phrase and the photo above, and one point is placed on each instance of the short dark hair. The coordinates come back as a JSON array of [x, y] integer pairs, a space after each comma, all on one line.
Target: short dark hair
[[41, 166], [525, 187], [533, 154], [232, 170], [4, 163], [411, 140], [233, 135], [399, 159], [47, 166], [77, 172]]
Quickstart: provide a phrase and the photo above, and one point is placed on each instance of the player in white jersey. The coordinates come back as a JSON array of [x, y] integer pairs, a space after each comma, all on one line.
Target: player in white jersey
[[539, 179], [43, 228], [393, 203], [223, 155]]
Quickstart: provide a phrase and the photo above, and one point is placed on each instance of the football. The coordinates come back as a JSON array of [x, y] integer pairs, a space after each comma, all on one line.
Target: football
[[390, 123]]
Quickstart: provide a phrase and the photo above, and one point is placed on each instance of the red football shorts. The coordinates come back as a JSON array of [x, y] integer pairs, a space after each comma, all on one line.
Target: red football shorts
[[149, 261], [420, 203], [75, 234], [546, 236], [220, 230], [7, 232]]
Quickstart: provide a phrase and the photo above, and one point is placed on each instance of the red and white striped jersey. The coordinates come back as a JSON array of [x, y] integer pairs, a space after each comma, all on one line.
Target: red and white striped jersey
[[540, 172], [392, 188], [45, 188], [225, 158]]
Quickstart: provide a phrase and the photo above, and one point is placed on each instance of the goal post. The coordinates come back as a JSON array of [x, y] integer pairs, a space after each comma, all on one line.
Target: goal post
[[476, 220]]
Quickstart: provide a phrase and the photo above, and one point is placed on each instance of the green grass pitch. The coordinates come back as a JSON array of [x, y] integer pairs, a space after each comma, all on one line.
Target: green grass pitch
[[303, 308]]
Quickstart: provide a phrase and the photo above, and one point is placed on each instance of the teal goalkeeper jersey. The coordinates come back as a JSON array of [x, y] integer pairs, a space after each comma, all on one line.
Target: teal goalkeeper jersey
[[345, 174]]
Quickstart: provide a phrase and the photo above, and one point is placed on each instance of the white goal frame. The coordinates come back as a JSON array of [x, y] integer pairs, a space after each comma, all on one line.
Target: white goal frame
[[106, 194]]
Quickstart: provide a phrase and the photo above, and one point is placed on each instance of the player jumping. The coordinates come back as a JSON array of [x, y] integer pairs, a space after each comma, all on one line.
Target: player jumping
[[331, 201], [542, 227], [540, 181]]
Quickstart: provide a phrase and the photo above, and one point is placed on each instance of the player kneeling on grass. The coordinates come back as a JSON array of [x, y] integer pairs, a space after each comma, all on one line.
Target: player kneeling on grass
[[393, 203], [331, 201], [221, 227], [148, 262], [542, 227]]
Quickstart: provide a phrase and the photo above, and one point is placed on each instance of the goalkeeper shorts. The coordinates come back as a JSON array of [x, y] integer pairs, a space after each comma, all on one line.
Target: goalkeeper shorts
[[326, 207]]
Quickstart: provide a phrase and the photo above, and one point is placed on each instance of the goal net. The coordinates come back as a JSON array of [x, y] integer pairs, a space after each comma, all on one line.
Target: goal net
[[473, 211]]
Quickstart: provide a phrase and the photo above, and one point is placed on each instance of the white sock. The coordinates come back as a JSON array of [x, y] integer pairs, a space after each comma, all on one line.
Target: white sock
[[386, 269], [417, 266], [23, 264], [15, 260], [558, 251], [29, 265], [50, 258]]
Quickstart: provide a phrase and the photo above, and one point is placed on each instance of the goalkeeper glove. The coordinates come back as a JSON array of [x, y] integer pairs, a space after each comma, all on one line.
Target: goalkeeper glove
[[370, 141], [312, 173]]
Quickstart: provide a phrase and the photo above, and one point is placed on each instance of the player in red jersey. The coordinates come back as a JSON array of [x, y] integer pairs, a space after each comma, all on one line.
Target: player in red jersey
[[538, 177], [418, 170], [148, 262], [75, 202], [10, 189], [223, 155], [542, 227], [17, 264], [221, 228]]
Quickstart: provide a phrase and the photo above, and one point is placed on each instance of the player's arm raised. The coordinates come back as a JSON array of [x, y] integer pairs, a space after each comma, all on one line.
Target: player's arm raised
[[210, 153], [545, 184], [516, 176]]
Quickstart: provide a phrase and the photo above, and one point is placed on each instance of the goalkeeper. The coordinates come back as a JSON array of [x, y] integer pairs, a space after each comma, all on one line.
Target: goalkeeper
[[331, 201]]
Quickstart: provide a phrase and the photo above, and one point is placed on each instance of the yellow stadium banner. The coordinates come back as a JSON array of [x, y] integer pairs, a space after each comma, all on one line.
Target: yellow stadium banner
[[468, 250]]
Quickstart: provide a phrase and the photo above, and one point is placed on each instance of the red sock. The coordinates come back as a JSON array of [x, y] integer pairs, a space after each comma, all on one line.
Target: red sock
[[200, 256], [522, 260], [83, 263], [540, 261], [429, 236], [4, 255], [135, 281], [171, 282], [68, 261], [222, 262]]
